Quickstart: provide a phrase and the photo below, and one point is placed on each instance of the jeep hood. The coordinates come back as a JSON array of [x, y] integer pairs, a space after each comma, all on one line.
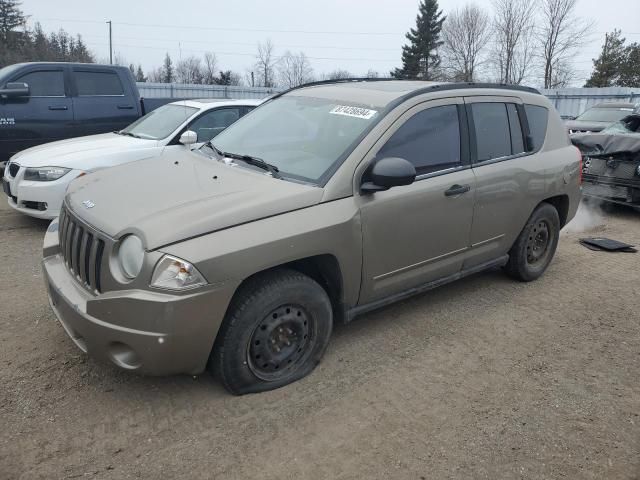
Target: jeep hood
[[74, 152], [175, 197]]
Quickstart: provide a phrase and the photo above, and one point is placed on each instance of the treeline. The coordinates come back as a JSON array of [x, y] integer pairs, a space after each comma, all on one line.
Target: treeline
[[19, 44]]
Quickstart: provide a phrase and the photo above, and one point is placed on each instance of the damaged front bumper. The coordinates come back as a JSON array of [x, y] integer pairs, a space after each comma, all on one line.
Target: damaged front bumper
[[153, 333]]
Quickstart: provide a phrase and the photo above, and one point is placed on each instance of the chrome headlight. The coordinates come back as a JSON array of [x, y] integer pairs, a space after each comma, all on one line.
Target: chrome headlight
[[175, 274], [131, 256], [45, 174]]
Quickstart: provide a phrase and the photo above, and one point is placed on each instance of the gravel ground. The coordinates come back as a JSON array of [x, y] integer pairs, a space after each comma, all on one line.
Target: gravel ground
[[484, 378]]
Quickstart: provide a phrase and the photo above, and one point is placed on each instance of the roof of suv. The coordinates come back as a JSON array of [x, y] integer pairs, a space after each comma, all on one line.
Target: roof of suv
[[382, 92]]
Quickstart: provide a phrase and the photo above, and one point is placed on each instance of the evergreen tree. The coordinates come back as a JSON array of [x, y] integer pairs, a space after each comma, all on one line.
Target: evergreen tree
[[607, 67], [11, 17], [140, 75], [420, 59], [630, 71], [168, 75]]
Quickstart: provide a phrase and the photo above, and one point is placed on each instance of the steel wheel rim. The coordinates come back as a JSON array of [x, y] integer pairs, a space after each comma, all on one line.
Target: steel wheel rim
[[538, 242], [282, 341]]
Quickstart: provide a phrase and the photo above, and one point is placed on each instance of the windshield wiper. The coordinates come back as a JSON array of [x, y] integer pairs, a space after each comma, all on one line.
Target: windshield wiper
[[128, 134], [255, 161]]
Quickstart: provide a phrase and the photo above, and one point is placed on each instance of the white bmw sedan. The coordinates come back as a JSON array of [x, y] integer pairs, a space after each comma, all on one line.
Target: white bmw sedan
[[35, 180]]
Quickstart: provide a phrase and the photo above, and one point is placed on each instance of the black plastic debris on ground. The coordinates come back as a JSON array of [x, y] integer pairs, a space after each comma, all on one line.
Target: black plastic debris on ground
[[606, 244]]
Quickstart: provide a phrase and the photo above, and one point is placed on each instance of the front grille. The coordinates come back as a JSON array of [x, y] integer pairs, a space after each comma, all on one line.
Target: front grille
[[13, 169], [611, 168], [82, 251]]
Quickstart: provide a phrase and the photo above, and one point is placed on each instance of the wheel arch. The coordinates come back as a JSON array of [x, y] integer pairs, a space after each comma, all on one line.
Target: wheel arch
[[561, 204]]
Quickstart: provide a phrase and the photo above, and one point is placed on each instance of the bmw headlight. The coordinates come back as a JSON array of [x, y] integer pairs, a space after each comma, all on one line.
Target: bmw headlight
[[45, 174], [175, 274], [131, 256]]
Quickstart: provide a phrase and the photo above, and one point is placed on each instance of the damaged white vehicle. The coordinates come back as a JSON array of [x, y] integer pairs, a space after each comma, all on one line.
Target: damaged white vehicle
[[35, 180]]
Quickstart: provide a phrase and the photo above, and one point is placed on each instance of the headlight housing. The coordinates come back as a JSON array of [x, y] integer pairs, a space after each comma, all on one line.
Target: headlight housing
[[131, 256], [45, 174], [173, 273]]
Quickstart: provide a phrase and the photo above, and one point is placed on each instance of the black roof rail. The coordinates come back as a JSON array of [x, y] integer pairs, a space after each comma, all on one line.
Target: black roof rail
[[437, 86]]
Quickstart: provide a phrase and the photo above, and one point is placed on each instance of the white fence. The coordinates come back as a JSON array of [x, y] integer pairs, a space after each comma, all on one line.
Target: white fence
[[573, 101], [176, 90], [568, 101]]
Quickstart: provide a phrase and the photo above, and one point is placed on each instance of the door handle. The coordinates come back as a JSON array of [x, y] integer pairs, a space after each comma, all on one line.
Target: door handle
[[457, 190], [58, 107], [125, 107]]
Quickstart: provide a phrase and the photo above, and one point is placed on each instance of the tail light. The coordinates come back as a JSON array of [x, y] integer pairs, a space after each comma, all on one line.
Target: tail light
[[580, 164]]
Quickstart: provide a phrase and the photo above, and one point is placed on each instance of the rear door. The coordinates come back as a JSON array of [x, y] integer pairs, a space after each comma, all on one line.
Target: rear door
[[102, 101], [44, 116], [416, 234], [509, 180]]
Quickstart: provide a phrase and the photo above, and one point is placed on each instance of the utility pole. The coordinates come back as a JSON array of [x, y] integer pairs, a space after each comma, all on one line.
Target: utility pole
[[253, 83], [110, 45]]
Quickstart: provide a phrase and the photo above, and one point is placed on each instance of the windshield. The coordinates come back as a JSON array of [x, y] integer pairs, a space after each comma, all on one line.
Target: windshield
[[6, 71], [629, 126], [160, 123], [302, 136], [604, 114]]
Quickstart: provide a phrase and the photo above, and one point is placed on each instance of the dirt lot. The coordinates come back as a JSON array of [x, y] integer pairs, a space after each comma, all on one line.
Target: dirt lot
[[486, 378]]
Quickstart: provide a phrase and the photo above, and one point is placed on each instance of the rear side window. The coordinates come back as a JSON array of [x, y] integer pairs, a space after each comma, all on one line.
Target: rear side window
[[98, 83], [493, 135], [44, 83], [537, 118], [430, 140], [517, 140]]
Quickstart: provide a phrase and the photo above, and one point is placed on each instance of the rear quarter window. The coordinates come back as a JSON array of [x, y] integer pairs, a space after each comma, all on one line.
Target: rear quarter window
[[98, 83], [537, 117]]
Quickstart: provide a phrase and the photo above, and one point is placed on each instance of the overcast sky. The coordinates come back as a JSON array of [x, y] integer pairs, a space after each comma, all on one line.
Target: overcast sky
[[355, 35]]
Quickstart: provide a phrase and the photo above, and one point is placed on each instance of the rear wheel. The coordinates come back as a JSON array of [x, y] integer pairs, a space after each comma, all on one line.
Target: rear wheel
[[535, 246], [275, 333]]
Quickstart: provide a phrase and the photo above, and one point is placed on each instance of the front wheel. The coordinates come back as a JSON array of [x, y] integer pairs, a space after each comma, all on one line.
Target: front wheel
[[535, 246], [275, 332]]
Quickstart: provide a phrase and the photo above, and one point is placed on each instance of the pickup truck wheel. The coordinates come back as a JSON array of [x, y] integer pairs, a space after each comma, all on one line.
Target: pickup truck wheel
[[535, 246], [275, 332]]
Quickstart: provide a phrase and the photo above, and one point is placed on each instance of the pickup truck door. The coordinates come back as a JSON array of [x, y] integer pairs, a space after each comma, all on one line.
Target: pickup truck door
[[102, 101], [44, 116], [510, 182], [416, 234]]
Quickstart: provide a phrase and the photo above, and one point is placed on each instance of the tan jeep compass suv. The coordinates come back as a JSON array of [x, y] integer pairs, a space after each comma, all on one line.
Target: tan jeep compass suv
[[327, 201]]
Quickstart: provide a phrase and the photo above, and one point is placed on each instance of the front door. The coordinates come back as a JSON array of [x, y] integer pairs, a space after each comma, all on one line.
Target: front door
[[417, 234], [44, 116]]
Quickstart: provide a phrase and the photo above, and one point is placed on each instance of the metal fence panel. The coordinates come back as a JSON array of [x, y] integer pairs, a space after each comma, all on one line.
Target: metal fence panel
[[573, 101], [176, 90], [568, 101]]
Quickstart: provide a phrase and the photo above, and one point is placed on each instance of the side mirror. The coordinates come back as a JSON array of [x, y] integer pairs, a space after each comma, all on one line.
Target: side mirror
[[389, 172], [188, 138], [15, 89]]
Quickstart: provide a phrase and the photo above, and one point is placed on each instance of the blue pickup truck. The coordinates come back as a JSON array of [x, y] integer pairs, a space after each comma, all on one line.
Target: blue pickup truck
[[43, 102]]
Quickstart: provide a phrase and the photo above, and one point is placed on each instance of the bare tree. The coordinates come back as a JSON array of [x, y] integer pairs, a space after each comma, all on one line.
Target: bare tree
[[189, 70], [466, 34], [266, 63], [371, 73], [156, 75], [514, 47], [294, 69], [560, 35], [209, 68], [338, 75]]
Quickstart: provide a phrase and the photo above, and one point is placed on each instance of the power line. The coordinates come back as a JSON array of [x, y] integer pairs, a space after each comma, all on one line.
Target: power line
[[225, 29], [249, 54]]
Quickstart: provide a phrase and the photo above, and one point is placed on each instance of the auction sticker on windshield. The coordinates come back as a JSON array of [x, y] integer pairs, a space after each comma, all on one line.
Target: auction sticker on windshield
[[357, 112]]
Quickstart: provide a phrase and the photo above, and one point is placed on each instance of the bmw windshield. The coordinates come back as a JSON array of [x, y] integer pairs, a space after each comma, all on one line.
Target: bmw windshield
[[303, 137], [159, 123]]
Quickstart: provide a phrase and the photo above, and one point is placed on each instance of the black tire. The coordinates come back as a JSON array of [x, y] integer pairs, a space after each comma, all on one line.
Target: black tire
[[535, 246], [275, 332]]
